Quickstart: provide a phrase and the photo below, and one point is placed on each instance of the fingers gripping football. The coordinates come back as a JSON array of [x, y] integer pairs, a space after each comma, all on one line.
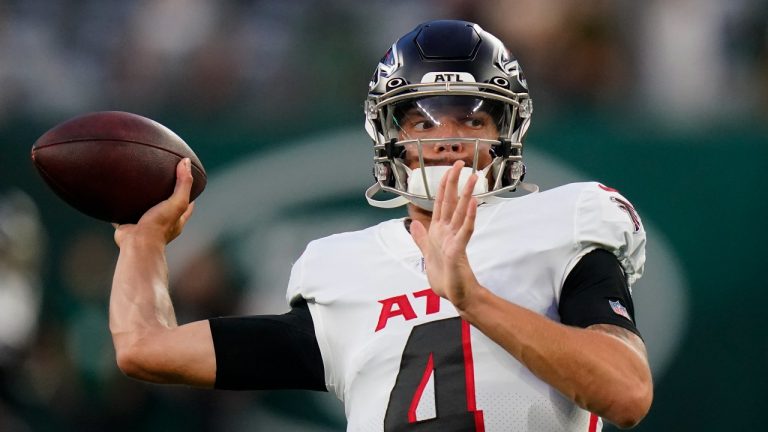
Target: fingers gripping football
[[166, 220]]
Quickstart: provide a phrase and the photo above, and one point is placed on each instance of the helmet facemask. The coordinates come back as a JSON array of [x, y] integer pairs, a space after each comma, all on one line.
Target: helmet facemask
[[489, 126], [451, 69]]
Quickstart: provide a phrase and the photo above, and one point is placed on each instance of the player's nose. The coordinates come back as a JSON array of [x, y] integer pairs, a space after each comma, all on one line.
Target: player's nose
[[448, 147], [449, 128]]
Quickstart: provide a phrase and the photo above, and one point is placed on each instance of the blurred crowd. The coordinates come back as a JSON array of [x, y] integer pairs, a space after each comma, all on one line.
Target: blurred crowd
[[273, 65], [266, 60]]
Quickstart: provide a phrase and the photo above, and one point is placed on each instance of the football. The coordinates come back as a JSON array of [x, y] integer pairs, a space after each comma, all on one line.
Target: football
[[113, 165]]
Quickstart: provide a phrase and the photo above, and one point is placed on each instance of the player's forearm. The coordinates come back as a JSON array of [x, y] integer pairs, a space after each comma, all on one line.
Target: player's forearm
[[140, 304], [596, 370], [149, 345]]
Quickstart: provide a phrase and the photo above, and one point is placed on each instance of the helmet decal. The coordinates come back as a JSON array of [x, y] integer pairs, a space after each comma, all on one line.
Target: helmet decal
[[512, 67], [387, 66], [437, 77]]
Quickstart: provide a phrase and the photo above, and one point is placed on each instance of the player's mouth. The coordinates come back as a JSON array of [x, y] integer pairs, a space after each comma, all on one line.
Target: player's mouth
[[448, 160]]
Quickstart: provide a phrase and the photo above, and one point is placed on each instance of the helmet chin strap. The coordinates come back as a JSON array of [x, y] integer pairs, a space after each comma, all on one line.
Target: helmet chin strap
[[426, 181], [429, 204], [390, 203]]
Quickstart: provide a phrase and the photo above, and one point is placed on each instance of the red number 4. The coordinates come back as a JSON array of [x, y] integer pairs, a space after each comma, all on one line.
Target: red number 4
[[441, 349]]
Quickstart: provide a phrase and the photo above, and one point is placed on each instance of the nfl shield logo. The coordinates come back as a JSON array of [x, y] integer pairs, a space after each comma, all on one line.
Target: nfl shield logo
[[619, 309]]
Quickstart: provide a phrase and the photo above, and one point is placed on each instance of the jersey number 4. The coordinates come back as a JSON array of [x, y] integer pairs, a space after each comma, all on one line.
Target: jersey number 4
[[440, 349]]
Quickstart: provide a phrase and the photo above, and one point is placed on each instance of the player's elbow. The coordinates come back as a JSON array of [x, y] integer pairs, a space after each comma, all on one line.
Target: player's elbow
[[631, 406], [132, 357], [128, 362], [129, 359]]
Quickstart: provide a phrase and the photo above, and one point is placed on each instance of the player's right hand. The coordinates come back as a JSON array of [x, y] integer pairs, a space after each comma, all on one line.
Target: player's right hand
[[165, 221]]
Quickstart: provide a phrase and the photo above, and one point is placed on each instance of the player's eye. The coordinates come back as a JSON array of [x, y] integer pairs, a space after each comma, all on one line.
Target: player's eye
[[423, 125], [475, 123]]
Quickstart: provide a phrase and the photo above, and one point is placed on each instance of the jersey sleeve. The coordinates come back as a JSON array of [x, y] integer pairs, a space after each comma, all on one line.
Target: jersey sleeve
[[294, 291], [607, 220], [267, 352], [596, 292], [300, 290]]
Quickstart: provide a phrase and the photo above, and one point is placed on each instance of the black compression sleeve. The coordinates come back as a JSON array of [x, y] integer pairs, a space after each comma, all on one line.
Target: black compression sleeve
[[268, 351], [596, 292]]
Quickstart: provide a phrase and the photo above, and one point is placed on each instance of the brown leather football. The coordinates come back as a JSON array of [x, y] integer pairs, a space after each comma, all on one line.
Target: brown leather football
[[113, 165]]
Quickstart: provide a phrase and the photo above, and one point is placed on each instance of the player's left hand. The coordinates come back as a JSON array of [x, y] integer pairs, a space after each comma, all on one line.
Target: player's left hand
[[444, 244]]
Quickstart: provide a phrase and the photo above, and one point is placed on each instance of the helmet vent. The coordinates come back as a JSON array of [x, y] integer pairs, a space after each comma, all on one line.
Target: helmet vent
[[448, 40]]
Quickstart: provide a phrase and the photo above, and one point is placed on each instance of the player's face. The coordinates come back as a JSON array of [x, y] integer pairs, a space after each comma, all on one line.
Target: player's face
[[458, 121]]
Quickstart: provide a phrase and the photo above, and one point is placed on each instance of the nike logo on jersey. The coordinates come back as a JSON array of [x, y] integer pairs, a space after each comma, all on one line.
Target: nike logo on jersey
[[401, 306]]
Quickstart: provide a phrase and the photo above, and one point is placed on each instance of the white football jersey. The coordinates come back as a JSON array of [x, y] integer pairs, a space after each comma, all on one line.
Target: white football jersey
[[401, 359]]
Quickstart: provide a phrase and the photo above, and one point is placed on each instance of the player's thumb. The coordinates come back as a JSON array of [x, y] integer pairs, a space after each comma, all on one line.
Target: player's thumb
[[178, 202], [184, 179]]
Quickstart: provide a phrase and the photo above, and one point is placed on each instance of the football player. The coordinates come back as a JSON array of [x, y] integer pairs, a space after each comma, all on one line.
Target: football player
[[475, 312]]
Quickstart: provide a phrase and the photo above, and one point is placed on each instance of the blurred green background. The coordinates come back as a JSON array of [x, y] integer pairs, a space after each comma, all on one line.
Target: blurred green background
[[665, 100]]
